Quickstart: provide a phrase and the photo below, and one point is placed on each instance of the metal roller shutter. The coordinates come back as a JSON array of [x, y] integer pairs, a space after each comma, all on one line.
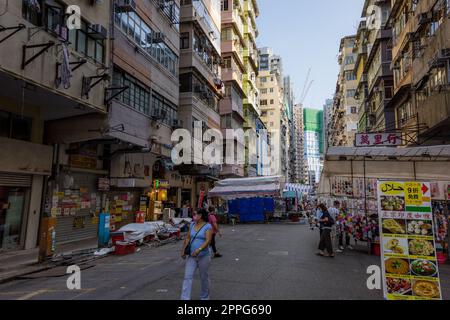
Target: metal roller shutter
[[65, 231], [15, 180]]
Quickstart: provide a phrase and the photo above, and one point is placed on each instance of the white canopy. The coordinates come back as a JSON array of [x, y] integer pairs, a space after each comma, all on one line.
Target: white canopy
[[415, 163], [247, 187]]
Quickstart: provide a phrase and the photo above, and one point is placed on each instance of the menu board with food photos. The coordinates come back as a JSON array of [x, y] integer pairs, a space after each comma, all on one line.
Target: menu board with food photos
[[408, 249]]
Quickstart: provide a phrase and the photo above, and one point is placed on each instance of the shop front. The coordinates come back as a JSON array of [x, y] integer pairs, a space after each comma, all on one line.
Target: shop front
[[76, 195], [351, 176], [23, 169]]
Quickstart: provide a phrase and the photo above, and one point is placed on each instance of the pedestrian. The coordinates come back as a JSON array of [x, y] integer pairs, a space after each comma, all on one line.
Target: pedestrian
[[343, 228], [185, 210], [212, 219], [326, 225], [334, 212], [318, 216], [196, 251]]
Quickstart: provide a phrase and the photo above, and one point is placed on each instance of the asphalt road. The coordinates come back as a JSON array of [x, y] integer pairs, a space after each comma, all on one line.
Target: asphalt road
[[272, 262]]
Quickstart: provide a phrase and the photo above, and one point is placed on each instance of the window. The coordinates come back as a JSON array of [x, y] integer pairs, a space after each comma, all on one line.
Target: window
[[136, 96], [263, 79], [349, 60], [32, 11], [227, 63], [15, 126], [136, 29], [86, 45], [272, 101], [165, 108], [271, 90], [263, 91], [353, 110], [224, 5], [351, 93], [350, 76], [263, 103], [184, 43]]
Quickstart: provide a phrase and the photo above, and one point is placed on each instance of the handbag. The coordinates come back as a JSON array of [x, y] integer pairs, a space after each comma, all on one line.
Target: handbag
[[187, 250]]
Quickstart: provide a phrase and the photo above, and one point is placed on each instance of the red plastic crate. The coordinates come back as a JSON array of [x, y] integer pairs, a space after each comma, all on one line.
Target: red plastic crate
[[123, 248], [117, 236]]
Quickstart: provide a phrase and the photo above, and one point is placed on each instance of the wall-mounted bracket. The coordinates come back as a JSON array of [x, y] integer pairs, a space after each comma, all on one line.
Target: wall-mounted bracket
[[119, 90], [16, 29], [88, 85], [44, 46]]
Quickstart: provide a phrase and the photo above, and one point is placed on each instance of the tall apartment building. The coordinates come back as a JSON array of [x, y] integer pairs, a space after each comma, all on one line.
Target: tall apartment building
[[314, 144], [48, 74], [300, 168], [273, 111], [252, 111], [376, 48], [233, 68], [421, 66], [344, 119], [289, 105], [200, 80], [327, 112]]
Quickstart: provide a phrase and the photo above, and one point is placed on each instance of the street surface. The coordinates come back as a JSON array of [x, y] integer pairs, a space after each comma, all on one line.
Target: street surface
[[260, 262]]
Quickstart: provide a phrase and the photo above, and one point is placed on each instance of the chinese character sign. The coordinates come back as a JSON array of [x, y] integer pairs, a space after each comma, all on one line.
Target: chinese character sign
[[378, 139], [408, 249]]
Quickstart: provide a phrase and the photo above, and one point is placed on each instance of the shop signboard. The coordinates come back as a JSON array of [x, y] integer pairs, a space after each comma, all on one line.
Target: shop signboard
[[378, 139], [408, 248]]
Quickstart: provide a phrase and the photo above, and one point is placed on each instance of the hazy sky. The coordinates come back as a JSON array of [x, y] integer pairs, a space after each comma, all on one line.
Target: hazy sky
[[307, 35]]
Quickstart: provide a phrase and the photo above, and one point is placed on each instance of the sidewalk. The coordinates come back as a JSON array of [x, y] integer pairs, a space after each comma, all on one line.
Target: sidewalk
[[14, 264]]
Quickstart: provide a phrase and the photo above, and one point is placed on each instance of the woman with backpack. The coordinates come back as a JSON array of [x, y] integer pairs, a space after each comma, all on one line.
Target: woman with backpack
[[196, 250], [326, 224]]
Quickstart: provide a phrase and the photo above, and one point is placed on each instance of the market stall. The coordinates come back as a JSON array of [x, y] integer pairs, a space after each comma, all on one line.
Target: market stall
[[350, 175], [251, 199]]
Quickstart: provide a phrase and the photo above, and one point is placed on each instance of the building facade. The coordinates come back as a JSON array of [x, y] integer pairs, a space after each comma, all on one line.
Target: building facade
[[233, 68], [48, 74], [377, 117], [300, 167], [314, 144], [421, 67], [252, 110], [200, 84], [344, 119], [273, 109]]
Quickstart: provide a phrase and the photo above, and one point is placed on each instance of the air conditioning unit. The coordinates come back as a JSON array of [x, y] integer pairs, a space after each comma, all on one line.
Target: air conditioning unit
[[125, 5], [97, 31], [158, 37]]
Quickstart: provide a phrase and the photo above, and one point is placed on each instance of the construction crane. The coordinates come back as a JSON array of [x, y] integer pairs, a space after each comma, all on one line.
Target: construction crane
[[306, 87]]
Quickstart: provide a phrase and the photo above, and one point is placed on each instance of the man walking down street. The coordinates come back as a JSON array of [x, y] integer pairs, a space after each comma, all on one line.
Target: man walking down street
[[326, 224], [212, 219]]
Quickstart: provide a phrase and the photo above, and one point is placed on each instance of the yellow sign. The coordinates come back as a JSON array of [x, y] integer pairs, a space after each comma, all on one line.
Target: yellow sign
[[413, 194], [392, 188]]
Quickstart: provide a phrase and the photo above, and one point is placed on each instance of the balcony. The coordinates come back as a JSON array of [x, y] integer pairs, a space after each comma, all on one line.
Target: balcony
[[434, 112], [234, 18], [233, 46], [233, 74], [227, 106], [190, 59]]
